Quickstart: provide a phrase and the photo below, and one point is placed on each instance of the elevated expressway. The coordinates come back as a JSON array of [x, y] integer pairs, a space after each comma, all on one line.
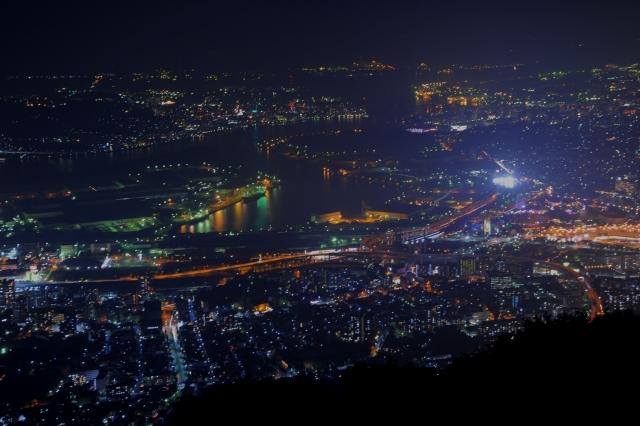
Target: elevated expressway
[[431, 231], [302, 259]]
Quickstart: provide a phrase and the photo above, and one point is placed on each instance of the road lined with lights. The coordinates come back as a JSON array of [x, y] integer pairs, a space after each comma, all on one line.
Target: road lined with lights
[[319, 256]]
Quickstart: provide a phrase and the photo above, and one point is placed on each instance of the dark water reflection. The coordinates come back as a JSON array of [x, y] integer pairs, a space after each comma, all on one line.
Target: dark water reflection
[[305, 188]]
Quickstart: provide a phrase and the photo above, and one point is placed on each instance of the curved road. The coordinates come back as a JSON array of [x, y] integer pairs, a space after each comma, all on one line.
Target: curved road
[[596, 304]]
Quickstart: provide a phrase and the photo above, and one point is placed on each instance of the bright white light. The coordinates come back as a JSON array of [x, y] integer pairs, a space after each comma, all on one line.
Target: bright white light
[[507, 181]]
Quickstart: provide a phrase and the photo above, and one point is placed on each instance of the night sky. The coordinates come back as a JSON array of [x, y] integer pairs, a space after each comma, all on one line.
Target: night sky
[[73, 36]]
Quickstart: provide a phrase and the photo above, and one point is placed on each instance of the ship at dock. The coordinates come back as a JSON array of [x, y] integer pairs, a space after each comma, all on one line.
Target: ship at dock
[[253, 197], [253, 193]]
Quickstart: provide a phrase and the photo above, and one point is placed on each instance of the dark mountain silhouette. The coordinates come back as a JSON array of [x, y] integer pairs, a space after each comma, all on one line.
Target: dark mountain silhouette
[[553, 367]]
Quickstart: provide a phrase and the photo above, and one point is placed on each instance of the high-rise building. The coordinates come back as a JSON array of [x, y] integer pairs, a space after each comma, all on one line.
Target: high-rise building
[[467, 266], [498, 280], [501, 265], [8, 291]]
